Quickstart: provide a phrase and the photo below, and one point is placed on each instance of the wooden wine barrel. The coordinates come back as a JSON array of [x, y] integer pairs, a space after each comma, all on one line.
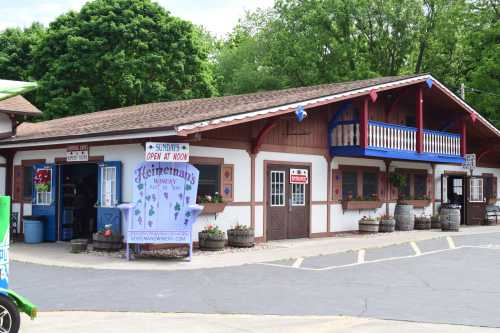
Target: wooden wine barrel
[[449, 218], [387, 225], [368, 225], [405, 220], [422, 223], [435, 222], [79, 245], [241, 238], [102, 243]]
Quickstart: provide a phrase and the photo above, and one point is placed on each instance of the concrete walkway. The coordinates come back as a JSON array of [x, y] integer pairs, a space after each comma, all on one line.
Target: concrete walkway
[[125, 322], [57, 254]]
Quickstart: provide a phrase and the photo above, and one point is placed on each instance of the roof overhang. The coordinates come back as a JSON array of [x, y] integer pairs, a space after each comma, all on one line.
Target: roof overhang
[[308, 104]]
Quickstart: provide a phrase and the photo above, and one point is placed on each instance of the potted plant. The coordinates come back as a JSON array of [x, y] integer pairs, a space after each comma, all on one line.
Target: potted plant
[[387, 223], [212, 204], [403, 213], [211, 238], [435, 222], [368, 224], [422, 222], [106, 240], [241, 236]]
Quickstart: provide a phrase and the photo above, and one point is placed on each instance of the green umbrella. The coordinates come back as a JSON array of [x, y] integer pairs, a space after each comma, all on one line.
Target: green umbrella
[[10, 88]]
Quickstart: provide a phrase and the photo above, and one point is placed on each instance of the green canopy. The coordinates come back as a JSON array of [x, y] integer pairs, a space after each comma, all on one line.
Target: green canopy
[[10, 88]]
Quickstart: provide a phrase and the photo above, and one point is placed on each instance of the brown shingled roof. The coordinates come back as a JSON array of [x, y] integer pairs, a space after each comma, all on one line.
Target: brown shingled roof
[[167, 115], [19, 105]]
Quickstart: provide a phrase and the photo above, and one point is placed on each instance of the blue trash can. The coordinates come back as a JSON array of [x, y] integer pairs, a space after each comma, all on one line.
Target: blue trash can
[[33, 229]]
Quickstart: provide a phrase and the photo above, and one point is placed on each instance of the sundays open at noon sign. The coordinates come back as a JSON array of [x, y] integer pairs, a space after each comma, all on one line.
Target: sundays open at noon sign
[[167, 152]]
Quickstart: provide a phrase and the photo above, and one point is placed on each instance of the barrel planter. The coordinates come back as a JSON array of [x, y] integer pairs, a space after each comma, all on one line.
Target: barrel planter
[[405, 219], [103, 243], [449, 218], [241, 237], [422, 223], [387, 225], [211, 241], [368, 225], [79, 245], [435, 222]]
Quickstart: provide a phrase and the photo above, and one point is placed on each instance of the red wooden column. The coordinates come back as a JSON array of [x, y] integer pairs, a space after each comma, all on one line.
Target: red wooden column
[[463, 139], [363, 124], [420, 120]]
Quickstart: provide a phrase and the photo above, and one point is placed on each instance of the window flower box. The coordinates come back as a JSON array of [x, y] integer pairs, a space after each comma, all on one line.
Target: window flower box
[[417, 203], [213, 208], [361, 204]]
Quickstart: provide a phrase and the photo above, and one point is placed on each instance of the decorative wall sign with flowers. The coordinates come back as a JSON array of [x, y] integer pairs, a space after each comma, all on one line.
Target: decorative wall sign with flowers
[[42, 180]]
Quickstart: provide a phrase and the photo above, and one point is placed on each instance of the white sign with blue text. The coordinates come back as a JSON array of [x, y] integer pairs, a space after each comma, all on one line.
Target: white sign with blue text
[[164, 207], [167, 152]]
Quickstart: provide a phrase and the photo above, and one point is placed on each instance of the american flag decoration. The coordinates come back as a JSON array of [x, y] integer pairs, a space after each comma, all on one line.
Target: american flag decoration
[[300, 113], [373, 95]]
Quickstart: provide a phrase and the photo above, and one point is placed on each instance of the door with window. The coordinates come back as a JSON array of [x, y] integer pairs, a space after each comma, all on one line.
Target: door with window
[[109, 195], [476, 201], [44, 198], [287, 204]]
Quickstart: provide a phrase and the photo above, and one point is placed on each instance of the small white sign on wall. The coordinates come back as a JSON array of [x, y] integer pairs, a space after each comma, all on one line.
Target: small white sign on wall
[[77, 153], [299, 176], [469, 161], [167, 152]]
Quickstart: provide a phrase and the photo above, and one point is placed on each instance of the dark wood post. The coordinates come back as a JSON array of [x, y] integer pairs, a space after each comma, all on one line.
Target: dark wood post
[[363, 124], [420, 120], [387, 186], [463, 139]]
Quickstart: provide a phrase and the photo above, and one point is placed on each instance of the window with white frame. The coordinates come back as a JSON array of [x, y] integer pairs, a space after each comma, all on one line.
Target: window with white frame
[[43, 186], [108, 195], [277, 194], [298, 194], [476, 190]]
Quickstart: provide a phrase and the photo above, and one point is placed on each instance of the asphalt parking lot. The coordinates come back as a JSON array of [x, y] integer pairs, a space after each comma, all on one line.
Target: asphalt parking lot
[[445, 280]]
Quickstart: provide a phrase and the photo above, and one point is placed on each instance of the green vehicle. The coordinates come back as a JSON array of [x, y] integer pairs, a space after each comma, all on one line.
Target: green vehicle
[[11, 303]]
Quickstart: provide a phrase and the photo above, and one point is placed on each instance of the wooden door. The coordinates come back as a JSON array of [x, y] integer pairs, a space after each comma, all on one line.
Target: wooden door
[[298, 210], [287, 205], [476, 202]]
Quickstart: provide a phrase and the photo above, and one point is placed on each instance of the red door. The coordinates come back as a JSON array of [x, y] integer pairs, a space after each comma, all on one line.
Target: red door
[[287, 204]]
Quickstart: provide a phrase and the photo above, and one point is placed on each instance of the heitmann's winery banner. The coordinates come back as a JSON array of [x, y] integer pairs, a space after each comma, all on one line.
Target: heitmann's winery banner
[[162, 195]]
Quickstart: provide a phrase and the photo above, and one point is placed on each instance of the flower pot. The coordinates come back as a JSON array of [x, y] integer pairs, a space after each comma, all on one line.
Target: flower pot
[[387, 225], [422, 223], [449, 218], [435, 222], [103, 243], [211, 241], [79, 245], [241, 237], [368, 225], [213, 208]]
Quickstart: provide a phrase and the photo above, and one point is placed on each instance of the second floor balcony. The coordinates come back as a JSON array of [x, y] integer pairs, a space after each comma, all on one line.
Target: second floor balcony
[[393, 141]]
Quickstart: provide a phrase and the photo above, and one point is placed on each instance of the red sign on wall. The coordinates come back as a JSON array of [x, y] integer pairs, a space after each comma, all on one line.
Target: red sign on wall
[[299, 176]]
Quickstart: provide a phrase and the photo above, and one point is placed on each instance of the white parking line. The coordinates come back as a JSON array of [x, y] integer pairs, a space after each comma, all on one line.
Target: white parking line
[[451, 243], [298, 262], [415, 248], [361, 256]]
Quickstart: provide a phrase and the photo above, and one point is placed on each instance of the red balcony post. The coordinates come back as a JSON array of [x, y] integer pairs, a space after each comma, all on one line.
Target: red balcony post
[[420, 120], [463, 139], [363, 124]]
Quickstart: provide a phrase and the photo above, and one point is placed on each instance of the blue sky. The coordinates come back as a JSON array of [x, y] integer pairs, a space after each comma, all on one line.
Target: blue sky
[[218, 16]]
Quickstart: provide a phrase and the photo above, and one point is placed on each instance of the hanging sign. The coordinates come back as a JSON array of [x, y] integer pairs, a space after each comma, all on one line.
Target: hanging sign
[[469, 161], [164, 198], [77, 153], [299, 176], [167, 152]]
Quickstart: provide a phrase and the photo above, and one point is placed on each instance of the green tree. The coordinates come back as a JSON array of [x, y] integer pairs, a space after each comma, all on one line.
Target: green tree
[[115, 53], [16, 47]]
